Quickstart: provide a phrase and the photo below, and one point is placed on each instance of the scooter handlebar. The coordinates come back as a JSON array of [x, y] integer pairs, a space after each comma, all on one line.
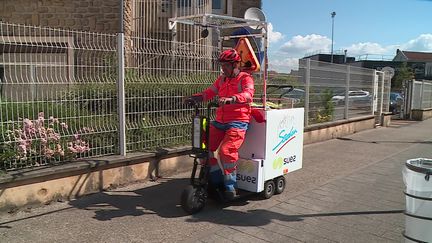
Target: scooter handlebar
[[212, 104]]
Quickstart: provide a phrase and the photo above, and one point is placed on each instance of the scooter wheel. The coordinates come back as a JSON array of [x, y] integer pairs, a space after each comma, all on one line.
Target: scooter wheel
[[280, 184], [193, 199], [269, 189]]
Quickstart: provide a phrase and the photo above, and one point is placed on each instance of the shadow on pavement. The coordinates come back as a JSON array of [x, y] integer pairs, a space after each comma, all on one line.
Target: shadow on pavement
[[231, 217], [348, 213], [162, 199], [260, 217]]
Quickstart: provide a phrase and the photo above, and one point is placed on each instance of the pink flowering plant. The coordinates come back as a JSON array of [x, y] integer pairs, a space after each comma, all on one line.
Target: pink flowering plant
[[41, 138]]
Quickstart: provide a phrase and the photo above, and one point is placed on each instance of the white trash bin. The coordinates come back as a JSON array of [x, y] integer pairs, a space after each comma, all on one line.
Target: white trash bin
[[417, 176]]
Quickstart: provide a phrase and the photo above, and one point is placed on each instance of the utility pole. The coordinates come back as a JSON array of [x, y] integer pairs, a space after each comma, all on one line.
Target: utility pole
[[333, 14]]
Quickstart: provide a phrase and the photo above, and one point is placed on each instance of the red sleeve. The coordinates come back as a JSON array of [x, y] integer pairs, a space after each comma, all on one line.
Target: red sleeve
[[212, 91], [247, 91]]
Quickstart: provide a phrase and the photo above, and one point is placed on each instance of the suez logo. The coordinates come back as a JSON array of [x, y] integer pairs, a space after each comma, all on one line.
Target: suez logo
[[245, 167], [246, 178], [279, 162]]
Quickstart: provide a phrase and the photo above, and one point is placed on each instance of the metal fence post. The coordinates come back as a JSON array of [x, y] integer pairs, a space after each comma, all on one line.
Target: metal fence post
[[429, 98], [121, 95], [411, 99], [422, 94], [382, 95], [405, 99], [347, 88], [306, 106], [374, 100]]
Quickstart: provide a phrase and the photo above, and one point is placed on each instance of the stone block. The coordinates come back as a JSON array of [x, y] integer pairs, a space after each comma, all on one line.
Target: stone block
[[35, 19], [53, 22], [83, 4], [43, 10], [386, 119], [69, 22], [421, 114]]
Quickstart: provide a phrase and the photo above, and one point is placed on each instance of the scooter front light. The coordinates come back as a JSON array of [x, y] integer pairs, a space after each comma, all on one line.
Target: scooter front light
[[196, 140]]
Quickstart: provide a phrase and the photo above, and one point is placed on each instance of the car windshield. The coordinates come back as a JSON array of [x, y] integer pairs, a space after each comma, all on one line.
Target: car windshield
[[394, 96], [294, 92]]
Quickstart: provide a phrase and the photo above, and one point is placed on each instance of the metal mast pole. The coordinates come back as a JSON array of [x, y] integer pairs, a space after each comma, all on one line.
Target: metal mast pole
[[333, 14]]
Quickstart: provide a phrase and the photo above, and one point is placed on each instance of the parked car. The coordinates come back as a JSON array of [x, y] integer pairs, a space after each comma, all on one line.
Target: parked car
[[355, 98], [396, 101], [296, 95]]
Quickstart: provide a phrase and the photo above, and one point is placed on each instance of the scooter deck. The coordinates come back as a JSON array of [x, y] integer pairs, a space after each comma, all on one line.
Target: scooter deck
[[243, 194], [218, 195]]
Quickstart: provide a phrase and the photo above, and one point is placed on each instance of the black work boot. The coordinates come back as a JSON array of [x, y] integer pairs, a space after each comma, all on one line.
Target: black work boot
[[230, 195]]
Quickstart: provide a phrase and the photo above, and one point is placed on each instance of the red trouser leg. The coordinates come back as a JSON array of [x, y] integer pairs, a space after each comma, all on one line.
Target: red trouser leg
[[228, 151], [216, 137]]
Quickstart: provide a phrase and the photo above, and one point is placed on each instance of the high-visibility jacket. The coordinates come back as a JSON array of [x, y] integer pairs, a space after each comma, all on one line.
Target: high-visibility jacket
[[241, 88]]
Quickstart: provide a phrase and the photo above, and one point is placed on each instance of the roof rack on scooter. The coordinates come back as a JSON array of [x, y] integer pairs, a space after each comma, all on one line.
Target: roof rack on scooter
[[253, 25], [276, 102]]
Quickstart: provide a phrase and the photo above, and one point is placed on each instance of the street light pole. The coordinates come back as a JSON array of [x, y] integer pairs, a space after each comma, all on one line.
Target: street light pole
[[333, 14]]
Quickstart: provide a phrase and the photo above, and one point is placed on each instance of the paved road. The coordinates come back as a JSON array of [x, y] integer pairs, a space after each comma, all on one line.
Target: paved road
[[349, 190]]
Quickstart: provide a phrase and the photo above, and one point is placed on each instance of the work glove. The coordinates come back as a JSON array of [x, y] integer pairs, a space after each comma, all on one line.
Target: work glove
[[226, 100]]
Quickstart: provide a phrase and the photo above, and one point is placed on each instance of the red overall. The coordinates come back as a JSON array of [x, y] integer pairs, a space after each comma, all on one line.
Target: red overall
[[241, 88]]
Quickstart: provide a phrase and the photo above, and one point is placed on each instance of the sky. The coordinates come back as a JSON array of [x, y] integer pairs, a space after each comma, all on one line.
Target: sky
[[374, 27]]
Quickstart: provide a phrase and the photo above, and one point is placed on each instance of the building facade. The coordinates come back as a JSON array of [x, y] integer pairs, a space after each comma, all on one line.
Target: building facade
[[143, 18], [36, 31], [419, 62]]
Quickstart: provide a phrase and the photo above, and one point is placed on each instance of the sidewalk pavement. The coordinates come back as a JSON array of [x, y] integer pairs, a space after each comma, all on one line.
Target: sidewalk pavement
[[349, 190]]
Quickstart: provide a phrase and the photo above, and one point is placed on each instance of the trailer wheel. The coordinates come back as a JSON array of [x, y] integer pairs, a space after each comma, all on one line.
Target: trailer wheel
[[193, 199], [269, 189], [280, 184]]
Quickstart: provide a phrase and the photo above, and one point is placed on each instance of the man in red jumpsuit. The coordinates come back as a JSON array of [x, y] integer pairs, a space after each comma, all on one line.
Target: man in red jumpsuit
[[235, 90]]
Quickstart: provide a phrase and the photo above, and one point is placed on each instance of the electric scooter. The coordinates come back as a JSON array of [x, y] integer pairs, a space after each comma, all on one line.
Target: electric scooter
[[257, 172]]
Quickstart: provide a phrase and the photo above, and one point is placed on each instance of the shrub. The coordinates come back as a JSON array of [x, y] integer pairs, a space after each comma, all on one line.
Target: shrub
[[30, 142], [324, 113]]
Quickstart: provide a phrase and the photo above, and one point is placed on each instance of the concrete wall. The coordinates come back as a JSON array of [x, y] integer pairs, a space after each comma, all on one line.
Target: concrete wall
[[45, 187], [421, 114], [326, 131]]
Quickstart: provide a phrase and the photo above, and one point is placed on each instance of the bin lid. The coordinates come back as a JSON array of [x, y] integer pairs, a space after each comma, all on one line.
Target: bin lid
[[420, 165]]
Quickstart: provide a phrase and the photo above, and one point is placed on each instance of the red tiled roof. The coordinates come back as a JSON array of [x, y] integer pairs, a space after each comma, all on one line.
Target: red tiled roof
[[418, 56]]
